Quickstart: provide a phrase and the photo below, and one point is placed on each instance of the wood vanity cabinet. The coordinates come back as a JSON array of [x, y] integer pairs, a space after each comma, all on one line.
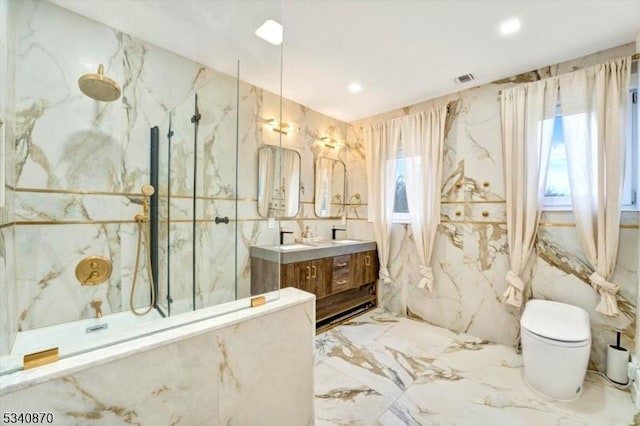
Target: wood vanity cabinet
[[344, 284], [313, 276], [365, 267]]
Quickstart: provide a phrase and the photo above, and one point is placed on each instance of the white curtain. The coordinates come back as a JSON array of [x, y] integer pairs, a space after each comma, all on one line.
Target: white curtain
[[594, 110], [291, 182], [382, 141], [527, 130], [323, 186], [422, 144], [266, 166]]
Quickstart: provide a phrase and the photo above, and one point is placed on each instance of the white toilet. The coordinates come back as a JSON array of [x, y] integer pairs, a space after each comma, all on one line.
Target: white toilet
[[556, 343]]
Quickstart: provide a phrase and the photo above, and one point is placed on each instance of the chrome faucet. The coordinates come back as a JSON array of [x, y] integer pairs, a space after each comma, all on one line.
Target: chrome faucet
[[96, 304]]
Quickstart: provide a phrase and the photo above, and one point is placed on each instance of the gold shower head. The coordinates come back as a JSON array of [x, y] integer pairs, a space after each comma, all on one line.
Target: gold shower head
[[99, 87]]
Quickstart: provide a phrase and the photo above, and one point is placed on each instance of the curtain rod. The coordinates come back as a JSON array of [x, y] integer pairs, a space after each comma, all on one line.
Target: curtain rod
[[634, 58]]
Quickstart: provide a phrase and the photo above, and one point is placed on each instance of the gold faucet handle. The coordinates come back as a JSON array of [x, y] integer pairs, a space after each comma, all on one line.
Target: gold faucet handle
[[91, 278], [93, 270]]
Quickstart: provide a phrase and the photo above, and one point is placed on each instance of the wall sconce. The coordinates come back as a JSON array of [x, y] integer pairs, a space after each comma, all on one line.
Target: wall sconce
[[282, 126], [330, 142]]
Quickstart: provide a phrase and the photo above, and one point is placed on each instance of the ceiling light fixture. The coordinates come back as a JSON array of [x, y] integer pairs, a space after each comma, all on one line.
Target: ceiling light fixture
[[510, 26], [355, 87], [271, 32]]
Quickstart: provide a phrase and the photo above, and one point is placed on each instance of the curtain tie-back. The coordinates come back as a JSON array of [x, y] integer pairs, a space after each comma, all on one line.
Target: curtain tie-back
[[385, 276], [608, 304], [513, 295], [427, 277]]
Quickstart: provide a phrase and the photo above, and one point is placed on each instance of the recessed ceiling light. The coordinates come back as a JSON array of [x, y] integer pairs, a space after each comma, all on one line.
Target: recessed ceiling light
[[510, 26], [271, 31], [354, 87]]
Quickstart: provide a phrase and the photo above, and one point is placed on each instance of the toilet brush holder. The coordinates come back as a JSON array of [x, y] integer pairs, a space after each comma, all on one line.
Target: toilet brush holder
[[617, 360]]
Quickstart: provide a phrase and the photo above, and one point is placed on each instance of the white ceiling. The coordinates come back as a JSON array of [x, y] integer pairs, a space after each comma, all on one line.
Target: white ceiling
[[402, 52]]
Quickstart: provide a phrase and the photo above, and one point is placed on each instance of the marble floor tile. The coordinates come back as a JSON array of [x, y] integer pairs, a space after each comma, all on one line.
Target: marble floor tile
[[383, 370], [416, 338], [341, 400], [374, 365]]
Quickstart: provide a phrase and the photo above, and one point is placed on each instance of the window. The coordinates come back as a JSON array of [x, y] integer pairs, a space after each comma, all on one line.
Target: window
[[400, 204], [557, 191]]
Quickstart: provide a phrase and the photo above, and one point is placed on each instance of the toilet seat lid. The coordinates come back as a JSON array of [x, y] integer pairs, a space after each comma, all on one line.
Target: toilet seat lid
[[557, 321]]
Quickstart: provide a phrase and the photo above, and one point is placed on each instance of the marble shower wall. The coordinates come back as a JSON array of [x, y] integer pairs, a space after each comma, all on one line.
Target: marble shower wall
[[471, 253], [80, 161]]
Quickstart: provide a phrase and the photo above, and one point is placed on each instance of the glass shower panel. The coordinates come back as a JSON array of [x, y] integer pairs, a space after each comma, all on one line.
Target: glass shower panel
[[215, 219], [207, 180], [160, 151], [179, 187]]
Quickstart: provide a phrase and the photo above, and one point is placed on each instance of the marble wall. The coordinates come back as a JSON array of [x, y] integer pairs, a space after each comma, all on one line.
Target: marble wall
[[471, 253]]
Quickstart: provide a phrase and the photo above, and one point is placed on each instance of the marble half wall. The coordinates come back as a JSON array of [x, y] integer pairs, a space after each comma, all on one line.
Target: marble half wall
[[471, 253], [236, 369]]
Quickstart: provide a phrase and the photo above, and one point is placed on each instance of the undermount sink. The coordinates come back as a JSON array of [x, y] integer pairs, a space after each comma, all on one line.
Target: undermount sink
[[293, 247], [346, 241]]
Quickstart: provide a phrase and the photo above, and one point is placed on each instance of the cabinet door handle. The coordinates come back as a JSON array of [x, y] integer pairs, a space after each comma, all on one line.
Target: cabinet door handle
[[341, 265], [315, 271], [308, 272], [367, 260], [341, 282]]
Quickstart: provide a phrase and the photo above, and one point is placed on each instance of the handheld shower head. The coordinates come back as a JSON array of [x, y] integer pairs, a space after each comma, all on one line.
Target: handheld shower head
[[147, 190], [99, 87]]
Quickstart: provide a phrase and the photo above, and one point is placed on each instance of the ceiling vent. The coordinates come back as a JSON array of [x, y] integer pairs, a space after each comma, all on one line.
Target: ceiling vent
[[464, 78]]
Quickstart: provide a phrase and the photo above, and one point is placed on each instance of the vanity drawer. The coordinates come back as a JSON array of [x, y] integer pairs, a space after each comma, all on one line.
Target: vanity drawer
[[341, 273]]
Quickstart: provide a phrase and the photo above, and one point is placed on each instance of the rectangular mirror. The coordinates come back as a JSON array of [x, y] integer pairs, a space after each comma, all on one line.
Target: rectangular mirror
[[330, 182], [278, 182]]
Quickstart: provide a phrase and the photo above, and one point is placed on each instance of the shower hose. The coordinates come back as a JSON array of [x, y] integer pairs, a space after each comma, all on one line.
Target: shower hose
[[143, 228]]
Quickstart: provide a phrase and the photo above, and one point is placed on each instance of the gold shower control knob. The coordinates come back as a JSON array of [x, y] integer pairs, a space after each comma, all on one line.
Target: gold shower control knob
[[93, 270], [147, 190]]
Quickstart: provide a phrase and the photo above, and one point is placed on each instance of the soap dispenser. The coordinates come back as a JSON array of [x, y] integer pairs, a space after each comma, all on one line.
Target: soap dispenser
[[306, 234]]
